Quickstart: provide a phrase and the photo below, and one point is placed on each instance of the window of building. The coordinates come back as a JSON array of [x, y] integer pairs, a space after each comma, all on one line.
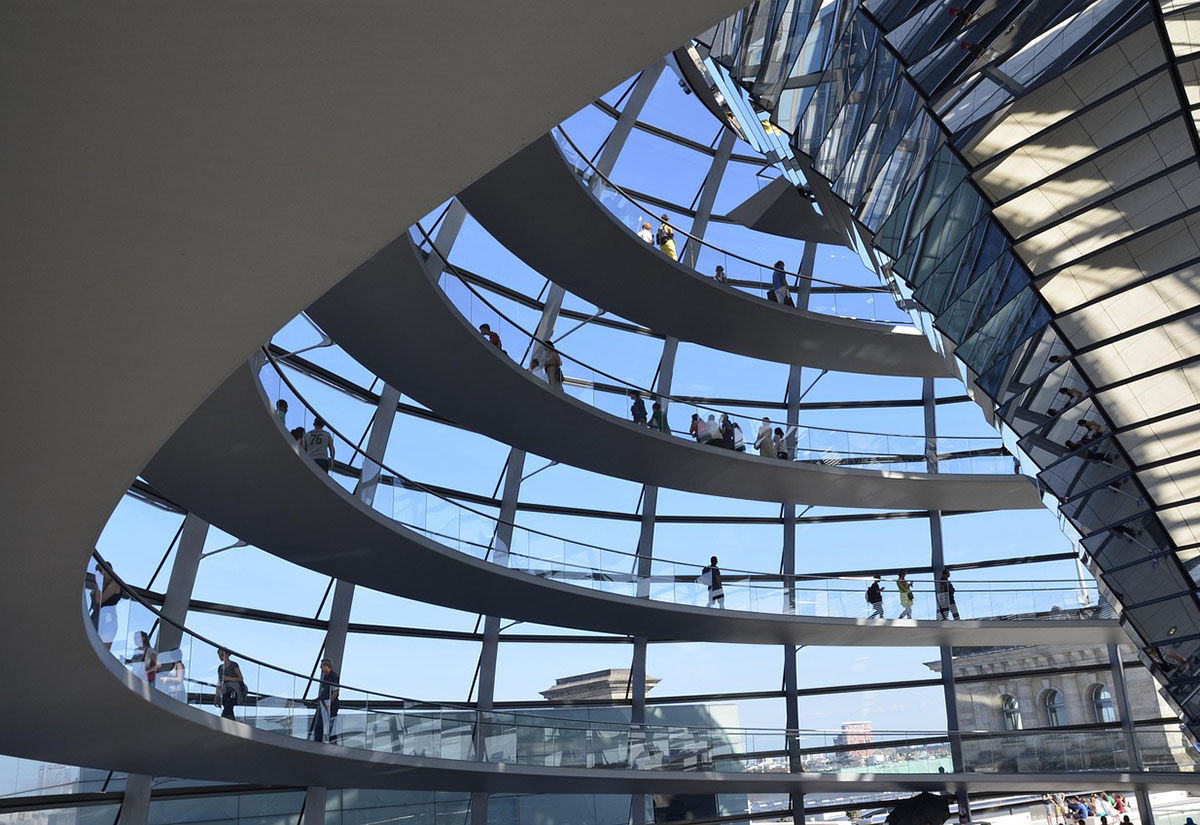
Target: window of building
[[1056, 708], [1012, 713], [1102, 703]]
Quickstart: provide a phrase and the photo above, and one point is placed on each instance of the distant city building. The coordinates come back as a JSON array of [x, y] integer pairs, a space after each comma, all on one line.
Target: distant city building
[[857, 733]]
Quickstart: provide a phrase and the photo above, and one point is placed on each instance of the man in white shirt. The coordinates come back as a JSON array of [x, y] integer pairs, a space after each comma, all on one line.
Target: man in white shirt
[[539, 372], [319, 445]]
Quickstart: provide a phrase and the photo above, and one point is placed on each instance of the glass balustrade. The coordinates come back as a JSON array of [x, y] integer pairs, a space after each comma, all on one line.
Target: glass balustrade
[[853, 301], [291, 704], [802, 444], [470, 530]]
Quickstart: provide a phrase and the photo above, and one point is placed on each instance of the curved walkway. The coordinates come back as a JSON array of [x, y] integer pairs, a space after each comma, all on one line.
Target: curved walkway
[[163, 736], [389, 310], [233, 465], [535, 205], [207, 233], [461, 746]]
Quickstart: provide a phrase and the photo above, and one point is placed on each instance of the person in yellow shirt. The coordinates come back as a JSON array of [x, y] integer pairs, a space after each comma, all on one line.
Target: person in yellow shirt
[[904, 588], [666, 237]]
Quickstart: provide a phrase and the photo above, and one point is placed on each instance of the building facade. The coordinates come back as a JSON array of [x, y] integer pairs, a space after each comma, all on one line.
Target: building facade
[[1046, 688]]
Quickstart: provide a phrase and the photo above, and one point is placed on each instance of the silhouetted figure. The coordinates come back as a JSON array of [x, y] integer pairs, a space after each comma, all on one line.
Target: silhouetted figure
[[875, 599], [666, 237], [231, 687], [711, 575], [327, 704], [638, 408], [319, 445], [945, 597]]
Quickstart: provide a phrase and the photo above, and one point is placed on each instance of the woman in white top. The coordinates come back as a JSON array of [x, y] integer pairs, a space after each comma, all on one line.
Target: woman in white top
[[781, 450], [646, 233], [535, 366], [145, 657]]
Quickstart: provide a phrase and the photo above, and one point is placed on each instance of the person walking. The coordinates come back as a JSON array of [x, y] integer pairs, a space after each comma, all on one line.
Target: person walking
[[779, 291], [666, 237], [319, 445], [281, 410], [945, 597], [875, 599], [658, 418], [327, 704], [637, 409], [646, 233], [711, 575], [739, 441], [763, 442], [231, 688], [553, 365], [904, 588], [695, 428]]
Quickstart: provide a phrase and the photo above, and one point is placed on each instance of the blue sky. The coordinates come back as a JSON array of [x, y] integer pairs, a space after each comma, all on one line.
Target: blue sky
[[137, 535]]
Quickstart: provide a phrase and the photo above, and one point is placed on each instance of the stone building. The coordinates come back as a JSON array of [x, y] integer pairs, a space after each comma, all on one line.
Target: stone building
[[610, 684], [1069, 687]]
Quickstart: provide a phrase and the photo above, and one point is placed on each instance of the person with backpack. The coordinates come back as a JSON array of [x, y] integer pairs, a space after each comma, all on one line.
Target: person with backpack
[[875, 599], [637, 409], [553, 365], [665, 238]]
